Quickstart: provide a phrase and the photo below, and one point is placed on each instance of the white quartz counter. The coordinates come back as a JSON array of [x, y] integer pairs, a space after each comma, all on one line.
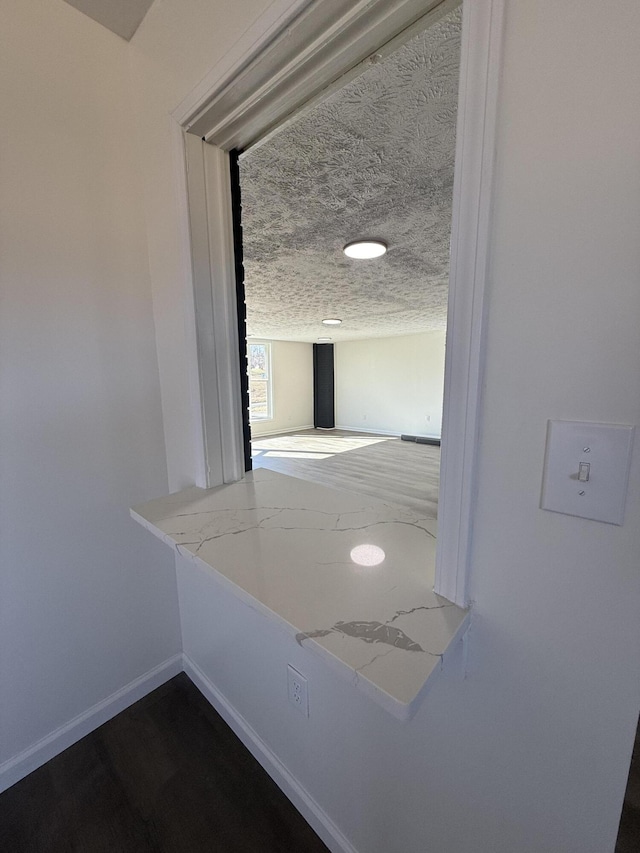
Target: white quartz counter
[[285, 546]]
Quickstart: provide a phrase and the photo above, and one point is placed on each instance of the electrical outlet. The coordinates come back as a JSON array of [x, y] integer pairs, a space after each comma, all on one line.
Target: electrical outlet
[[298, 690]]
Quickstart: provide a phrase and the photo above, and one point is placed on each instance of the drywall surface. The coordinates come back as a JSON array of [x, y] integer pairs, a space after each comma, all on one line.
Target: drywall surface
[[530, 752], [177, 43], [292, 388], [88, 602], [557, 598], [120, 16], [388, 786], [391, 384]]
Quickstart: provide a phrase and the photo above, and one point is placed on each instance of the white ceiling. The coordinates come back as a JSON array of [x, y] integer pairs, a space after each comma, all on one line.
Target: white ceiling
[[375, 159], [122, 17]]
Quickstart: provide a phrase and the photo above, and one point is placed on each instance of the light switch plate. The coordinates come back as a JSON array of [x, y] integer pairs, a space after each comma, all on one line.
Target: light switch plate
[[607, 450]]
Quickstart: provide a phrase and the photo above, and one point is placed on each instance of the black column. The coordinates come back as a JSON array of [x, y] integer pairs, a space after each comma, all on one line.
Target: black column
[[323, 387], [236, 206]]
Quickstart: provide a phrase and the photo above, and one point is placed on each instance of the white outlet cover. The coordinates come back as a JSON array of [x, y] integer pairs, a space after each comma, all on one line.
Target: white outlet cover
[[607, 449], [298, 690]]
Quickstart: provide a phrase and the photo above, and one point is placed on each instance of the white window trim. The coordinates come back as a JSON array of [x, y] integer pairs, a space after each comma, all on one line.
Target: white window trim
[[480, 65], [269, 380], [205, 195], [214, 348]]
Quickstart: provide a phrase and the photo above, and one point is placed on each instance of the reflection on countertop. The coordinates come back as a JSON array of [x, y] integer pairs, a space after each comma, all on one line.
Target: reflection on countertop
[[350, 577]]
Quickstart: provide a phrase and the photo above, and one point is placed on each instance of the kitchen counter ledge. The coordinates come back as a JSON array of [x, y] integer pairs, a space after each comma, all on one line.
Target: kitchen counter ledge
[[286, 547]]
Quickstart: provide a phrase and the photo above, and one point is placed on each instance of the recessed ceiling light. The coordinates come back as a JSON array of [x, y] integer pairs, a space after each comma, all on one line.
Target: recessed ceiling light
[[323, 340], [364, 250], [332, 321]]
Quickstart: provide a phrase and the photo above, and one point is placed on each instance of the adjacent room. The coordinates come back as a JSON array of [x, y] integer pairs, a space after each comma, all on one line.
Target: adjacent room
[[346, 338]]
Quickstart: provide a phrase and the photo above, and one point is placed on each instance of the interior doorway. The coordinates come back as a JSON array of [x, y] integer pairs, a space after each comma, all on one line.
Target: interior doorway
[[372, 160], [263, 82]]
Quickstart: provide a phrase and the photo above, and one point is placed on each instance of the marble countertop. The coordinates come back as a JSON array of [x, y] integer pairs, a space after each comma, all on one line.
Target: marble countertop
[[350, 577]]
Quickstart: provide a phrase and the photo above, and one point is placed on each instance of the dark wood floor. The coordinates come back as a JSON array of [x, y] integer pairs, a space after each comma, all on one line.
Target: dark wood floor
[[629, 832], [168, 775]]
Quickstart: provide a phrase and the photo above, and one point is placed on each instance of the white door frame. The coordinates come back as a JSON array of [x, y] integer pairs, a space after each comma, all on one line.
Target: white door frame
[[295, 49]]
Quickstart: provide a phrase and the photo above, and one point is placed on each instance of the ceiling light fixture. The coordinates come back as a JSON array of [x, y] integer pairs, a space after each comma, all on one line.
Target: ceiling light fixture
[[332, 321], [323, 340], [364, 250]]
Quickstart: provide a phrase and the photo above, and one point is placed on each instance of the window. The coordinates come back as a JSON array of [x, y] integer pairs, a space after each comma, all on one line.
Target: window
[[260, 396]]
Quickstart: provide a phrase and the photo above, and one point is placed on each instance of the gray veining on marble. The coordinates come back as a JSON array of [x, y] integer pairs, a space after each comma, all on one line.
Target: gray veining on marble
[[369, 632], [284, 545]]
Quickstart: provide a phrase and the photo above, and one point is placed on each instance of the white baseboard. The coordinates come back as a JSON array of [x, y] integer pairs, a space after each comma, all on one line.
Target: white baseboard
[[372, 431], [16, 768], [380, 431], [318, 819], [281, 431]]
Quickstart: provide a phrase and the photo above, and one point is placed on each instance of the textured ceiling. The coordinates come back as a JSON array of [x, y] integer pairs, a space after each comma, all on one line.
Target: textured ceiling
[[373, 160]]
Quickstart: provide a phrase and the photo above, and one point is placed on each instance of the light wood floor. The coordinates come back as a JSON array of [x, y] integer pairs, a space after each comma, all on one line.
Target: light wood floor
[[387, 468]]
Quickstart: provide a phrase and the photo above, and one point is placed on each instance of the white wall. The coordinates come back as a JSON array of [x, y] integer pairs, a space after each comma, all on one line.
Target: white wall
[[292, 388], [172, 50], [391, 384], [529, 753], [557, 597], [87, 599]]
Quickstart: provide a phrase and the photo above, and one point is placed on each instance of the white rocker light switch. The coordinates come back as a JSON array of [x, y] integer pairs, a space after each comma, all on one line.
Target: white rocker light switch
[[586, 469]]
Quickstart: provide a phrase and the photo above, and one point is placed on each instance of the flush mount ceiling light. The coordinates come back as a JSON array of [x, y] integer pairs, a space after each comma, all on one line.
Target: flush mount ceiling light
[[332, 321], [323, 340], [364, 250]]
